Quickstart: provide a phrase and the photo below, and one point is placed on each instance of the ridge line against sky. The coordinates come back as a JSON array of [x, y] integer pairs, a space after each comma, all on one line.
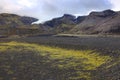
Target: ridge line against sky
[[48, 9]]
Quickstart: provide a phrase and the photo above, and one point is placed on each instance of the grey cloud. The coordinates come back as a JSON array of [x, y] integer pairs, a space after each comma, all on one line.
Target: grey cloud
[[47, 9], [60, 7], [77, 6]]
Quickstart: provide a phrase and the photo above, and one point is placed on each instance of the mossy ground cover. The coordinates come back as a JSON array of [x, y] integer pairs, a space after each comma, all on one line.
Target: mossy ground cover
[[26, 61]]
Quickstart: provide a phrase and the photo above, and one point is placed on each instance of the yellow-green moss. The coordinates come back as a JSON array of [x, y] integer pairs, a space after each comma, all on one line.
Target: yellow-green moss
[[65, 59]]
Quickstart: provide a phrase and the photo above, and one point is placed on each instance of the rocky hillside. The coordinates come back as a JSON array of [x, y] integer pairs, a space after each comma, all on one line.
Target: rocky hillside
[[15, 20], [105, 22], [61, 24], [99, 22], [12, 24]]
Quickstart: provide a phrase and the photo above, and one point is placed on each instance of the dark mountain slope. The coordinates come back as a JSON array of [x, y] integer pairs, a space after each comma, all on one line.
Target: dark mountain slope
[[61, 24], [65, 19], [104, 22], [99, 23]]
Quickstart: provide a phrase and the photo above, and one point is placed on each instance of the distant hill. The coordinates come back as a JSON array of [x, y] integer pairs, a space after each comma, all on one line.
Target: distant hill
[[61, 24], [99, 23], [13, 19], [104, 22], [12, 24]]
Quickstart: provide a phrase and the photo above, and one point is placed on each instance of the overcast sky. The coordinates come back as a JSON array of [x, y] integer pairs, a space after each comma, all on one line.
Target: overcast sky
[[48, 9]]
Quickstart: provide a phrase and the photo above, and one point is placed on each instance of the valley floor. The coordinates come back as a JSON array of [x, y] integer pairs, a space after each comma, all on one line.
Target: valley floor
[[60, 58]]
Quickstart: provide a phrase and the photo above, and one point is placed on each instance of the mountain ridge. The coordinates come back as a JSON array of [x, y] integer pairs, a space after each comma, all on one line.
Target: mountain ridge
[[103, 22]]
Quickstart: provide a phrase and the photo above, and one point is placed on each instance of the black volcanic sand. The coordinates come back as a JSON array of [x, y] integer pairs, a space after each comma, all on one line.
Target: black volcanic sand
[[107, 44]]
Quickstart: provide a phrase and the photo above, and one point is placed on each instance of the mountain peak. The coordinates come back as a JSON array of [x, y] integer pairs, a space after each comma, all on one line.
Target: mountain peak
[[68, 15], [105, 13]]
